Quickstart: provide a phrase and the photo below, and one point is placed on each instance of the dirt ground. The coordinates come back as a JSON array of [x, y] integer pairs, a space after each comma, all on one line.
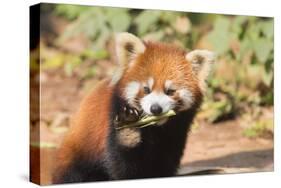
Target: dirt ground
[[222, 147], [210, 148]]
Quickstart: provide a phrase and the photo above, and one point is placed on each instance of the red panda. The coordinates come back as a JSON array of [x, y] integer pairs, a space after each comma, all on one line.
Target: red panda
[[152, 78]]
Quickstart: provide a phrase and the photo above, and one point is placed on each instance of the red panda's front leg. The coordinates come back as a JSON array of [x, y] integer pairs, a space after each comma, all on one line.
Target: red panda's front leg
[[127, 137]]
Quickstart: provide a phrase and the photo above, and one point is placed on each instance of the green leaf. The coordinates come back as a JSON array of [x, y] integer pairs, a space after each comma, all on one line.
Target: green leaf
[[267, 28], [214, 111], [118, 19], [155, 36], [253, 31], [70, 11], [245, 47], [259, 128], [238, 21], [54, 62], [267, 78], [146, 19], [268, 98], [72, 62], [95, 54], [262, 48], [100, 54], [100, 42], [220, 36], [90, 72], [221, 24], [250, 133], [168, 16], [68, 69]]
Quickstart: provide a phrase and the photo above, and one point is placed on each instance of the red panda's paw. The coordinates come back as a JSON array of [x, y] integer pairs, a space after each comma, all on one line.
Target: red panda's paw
[[126, 114]]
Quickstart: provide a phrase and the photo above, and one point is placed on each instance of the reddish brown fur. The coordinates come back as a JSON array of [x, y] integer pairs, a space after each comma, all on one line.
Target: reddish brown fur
[[90, 127], [87, 136], [163, 62]]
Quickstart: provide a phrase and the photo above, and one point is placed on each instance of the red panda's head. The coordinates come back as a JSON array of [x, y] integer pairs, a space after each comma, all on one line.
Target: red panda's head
[[157, 77]]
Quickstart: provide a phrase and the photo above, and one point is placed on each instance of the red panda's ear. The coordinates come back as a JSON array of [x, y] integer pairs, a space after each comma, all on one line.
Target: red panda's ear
[[202, 61], [127, 47]]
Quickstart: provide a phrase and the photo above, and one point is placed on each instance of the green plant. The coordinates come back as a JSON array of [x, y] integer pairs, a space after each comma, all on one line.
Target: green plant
[[95, 23], [99, 23], [243, 76], [248, 41], [259, 129], [70, 12]]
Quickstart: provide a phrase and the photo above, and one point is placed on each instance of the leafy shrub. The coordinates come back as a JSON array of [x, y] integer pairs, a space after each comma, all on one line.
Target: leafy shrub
[[95, 23], [243, 76], [245, 45]]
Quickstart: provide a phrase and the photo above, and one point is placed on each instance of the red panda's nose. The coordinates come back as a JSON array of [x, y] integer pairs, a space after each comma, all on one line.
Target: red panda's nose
[[156, 109]]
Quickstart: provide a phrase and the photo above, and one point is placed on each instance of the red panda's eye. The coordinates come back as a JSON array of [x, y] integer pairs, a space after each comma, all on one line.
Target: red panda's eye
[[170, 92], [146, 90]]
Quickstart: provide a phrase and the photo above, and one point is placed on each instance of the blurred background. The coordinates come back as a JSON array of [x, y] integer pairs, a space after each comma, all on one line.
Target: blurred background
[[233, 131]]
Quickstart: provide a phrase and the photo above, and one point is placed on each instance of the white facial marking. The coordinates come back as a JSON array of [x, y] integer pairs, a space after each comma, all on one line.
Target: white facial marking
[[131, 91], [169, 84], [161, 99], [186, 97], [150, 82]]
